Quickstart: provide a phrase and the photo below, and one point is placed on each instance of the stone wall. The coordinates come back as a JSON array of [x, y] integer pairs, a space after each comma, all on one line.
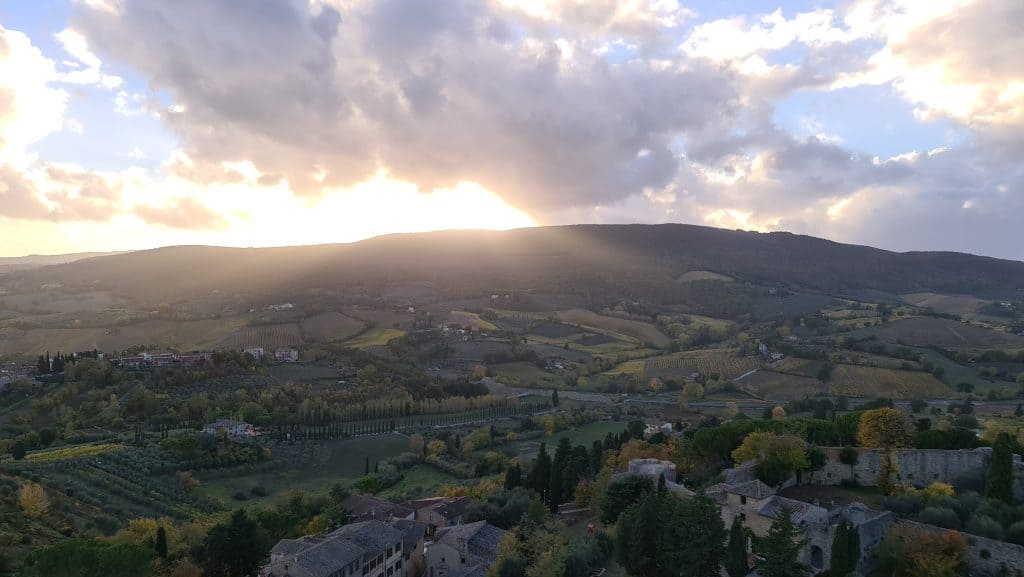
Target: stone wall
[[917, 467], [985, 557]]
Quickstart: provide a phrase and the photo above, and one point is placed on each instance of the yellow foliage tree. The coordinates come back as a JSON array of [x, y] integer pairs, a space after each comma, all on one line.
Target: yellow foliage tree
[[937, 489], [885, 429], [33, 500], [908, 552], [778, 413], [436, 448]]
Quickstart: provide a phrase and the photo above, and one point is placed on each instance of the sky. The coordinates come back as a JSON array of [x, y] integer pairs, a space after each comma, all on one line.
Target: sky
[[130, 124]]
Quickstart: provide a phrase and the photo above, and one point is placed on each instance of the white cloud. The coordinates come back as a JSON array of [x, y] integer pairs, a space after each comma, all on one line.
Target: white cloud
[[76, 46]]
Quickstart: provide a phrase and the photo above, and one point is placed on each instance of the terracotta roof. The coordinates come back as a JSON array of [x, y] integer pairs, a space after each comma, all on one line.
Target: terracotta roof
[[368, 508]]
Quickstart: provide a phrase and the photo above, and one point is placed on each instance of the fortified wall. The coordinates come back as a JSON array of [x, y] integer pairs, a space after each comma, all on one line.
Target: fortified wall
[[917, 467]]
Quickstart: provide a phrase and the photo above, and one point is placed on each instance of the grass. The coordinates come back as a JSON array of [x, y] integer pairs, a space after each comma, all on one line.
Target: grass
[[585, 435], [418, 482], [375, 337]]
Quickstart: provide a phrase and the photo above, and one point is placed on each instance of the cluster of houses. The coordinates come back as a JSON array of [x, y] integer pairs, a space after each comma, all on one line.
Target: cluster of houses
[[424, 538], [281, 355], [161, 360]]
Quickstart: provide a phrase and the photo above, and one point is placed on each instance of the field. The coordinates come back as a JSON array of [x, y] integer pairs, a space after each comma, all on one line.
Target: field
[[858, 381], [269, 337], [468, 319], [617, 328], [331, 326], [311, 466], [698, 275], [779, 386], [582, 435], [928, 331], [418, 482], [522, 374], [962, 305], [374, 337], [724, 364]]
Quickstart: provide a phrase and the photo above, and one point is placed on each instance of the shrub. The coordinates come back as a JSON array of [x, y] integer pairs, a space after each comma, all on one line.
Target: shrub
[[940, 516], [1015, 533], [985, 526]]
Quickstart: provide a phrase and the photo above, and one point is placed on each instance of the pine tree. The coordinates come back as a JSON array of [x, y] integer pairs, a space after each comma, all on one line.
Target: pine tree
[[845, 550], [736, 551], [1019, 411], [999, 484], [781, 549]]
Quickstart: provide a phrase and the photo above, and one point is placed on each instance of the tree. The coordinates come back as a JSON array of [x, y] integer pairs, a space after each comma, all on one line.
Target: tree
[[621, 495], [18, 450], [777, 456], [554, 398], [908, 552], [845, 550], [736, 551], [366, 465], [781, 549], [778, 413], [690, 392], [540, 476], [160, 545], [88, 558], [1019, 411], [33, 500], [417, 445], [999, 484], [665, 536], [885, 428], [918, 405], [235, 548]]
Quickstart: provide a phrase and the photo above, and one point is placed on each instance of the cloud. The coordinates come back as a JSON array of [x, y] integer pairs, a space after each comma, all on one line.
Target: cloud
[[184, 213], [435, 92]]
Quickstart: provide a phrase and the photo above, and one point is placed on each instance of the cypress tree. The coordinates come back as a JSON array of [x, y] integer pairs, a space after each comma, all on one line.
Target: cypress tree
[[160, 546], [845, 550], [366, 466], [736, 551], [999, 484]]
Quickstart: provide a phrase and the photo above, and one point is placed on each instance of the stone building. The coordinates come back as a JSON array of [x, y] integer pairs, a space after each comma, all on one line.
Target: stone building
[[363, 549], [463, 550], [758, 507]]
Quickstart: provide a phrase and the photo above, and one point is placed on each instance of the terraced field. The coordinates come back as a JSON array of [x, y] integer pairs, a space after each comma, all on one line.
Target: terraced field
[[269, 337], [724, 364]]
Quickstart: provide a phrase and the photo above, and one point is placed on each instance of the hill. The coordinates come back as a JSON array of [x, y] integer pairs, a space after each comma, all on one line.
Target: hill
[[638, 261]]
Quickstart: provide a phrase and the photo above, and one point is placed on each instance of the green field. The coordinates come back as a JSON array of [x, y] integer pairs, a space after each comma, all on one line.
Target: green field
[[418, 482], [310, 466], [523, 374], [374, 337]]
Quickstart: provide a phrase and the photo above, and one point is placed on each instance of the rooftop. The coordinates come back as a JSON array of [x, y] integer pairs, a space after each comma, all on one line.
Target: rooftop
[[480, 539], [754, 489]]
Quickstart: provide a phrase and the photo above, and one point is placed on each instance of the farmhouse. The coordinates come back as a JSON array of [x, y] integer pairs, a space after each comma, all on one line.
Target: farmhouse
[[464, 550], [363, 549], [286, 355], [234, 429]]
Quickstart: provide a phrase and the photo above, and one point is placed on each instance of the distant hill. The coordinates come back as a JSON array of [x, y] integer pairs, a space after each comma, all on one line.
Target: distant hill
[[639, 261], [15, 263]]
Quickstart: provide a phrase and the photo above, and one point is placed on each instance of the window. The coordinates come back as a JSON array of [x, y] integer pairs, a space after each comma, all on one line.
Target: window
[[743, 500]]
